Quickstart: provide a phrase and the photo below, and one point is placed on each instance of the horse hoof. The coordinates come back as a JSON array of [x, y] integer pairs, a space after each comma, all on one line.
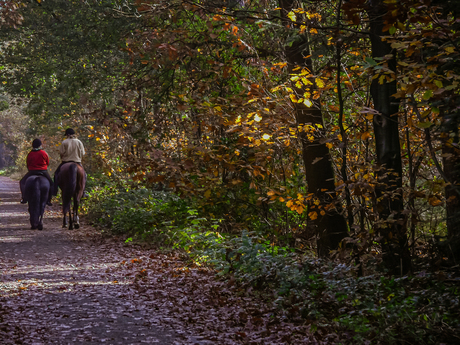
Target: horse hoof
[[77, 226], [40, 227], [33, 228]]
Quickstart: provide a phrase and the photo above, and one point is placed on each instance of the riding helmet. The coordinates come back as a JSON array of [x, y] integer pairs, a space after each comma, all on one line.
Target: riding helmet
[[36, 143], [69, 131]]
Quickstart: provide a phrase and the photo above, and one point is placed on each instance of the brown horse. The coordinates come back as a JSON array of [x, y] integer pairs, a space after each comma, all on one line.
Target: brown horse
[[72, 181]]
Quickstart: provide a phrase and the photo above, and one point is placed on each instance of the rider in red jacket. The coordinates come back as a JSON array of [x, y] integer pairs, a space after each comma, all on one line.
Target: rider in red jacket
[[37, 164]]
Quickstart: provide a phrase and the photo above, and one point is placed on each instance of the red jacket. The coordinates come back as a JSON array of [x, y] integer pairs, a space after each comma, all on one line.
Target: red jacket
[[37, 160]]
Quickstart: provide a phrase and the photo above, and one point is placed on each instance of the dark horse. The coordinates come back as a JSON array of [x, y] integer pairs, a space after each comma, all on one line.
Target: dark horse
[[36, 193], [72, 181]]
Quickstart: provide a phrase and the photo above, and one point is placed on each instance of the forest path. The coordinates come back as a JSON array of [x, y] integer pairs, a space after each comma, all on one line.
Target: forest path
[[78, 287], [68, 287]]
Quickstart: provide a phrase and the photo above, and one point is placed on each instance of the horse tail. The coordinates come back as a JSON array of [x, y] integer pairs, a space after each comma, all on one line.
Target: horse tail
[[73, 178], [32, 191], [68, 184]]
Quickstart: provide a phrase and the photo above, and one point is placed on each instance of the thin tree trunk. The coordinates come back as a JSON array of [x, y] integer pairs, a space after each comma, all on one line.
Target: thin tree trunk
[[395, 249], [330, 225]]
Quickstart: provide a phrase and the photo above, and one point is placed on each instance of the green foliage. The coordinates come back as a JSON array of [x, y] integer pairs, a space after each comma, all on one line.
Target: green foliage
[[372, 309], [4, 105], [141, 213], [67, 50], [8, 171]]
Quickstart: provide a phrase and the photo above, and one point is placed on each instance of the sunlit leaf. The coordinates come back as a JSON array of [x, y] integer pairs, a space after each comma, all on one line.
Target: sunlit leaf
[[313, 215]]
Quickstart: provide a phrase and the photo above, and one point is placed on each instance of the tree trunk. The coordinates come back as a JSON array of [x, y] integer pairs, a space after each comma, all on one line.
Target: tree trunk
[[330, 225], [451, 165], [395, 249]]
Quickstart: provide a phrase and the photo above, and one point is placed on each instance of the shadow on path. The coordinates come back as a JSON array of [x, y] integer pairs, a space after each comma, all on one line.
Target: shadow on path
[[62, 287]]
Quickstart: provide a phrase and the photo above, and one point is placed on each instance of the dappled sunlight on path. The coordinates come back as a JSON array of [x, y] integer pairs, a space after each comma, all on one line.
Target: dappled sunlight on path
[[72, 287], [61, 287]]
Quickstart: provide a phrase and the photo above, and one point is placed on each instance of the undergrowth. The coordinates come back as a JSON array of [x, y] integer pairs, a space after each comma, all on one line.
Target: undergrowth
[[375, 309]]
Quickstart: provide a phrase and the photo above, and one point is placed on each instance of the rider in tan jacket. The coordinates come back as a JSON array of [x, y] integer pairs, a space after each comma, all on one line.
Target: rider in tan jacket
[[71, 150]]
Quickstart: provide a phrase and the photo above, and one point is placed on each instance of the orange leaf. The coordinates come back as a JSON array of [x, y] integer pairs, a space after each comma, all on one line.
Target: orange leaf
[[313, 215]]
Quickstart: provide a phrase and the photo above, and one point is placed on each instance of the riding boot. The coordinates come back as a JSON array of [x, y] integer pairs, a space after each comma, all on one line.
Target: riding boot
[[22, 186]]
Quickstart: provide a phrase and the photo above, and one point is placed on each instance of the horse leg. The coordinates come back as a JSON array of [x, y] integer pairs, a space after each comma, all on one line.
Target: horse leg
[[64, 220], [75, 214], [40, 223], [70, 219]]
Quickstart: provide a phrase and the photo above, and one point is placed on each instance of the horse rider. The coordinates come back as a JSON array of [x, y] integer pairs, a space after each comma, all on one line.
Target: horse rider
[[37, 164], [71, 150]]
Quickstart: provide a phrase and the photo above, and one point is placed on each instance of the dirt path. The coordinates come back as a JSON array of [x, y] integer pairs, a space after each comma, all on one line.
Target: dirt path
[[72, 287], [60, 287]]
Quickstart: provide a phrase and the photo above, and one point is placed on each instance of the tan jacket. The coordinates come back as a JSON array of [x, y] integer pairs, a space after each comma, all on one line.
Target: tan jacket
[[72, 150]]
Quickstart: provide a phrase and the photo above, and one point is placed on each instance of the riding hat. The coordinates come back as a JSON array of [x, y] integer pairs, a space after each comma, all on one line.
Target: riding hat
[[69, 131], [36, 143]]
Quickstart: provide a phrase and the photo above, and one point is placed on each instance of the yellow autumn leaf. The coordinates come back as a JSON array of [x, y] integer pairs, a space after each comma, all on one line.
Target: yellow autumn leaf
[[291, 15], [207, 194], [319, 82], [289, 203], [306, 82], [329, 145], [293, 98]]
